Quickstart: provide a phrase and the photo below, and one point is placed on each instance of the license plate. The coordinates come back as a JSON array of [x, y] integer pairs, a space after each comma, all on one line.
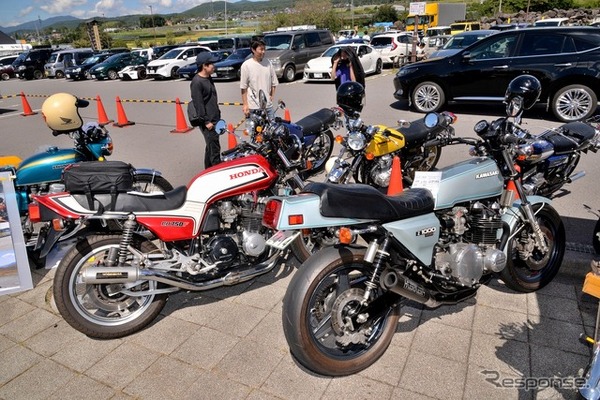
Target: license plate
[[186, 76], [68, 76], [214, 75], [318, 75], [282, 239]]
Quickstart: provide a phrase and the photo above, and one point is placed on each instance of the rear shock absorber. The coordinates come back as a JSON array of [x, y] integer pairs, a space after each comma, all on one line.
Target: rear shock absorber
[[376, 255], [126, 237]]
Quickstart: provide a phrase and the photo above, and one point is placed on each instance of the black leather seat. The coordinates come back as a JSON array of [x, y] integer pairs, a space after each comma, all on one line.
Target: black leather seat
[[418, 133], [569, 136], [137, 202], [365, 202], [317, 122]]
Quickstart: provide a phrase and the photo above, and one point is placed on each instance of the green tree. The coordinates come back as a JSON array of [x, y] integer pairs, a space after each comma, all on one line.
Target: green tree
[[385, 13]]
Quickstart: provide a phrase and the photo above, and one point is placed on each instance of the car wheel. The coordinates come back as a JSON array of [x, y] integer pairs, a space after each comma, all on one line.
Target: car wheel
[[174, 72], [289, 73], [142, 74], [5, 76], [37, 74], [378, 66], [59, 75], [428, 97], [112, 75], [238, 74], [88, 75], [574, 103]]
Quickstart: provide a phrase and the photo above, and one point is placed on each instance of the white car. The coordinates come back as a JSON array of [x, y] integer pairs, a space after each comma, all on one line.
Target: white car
[[393, 47], [168, 64], [133, 72], [319, 68]]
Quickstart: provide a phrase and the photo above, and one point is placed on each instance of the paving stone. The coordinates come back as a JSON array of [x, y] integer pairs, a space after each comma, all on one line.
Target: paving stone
[[51, 340], [82, 387], [195, 307], [558, 288], [357, 387], [442, 340], [215, 386], [409, 321], [83, 354], [166, 378], [236, 319], [495, 353], [270, 330], [153, 337], [38, 297], [403, 394], [5, 343], [459, 315], [262, 356], [291, 381], [13, 308], [496, 295], [489, 385], [434, 376], [258, 394], [282, 274], [38, 382], [389, 367], [546, 306], [15, 361], [559, 335], [261, 295], [28, 325], [205, 348], [122, 365], [500, 322]]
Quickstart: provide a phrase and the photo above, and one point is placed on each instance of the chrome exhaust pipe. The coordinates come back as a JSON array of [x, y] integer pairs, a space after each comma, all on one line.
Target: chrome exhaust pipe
[[576, 176], [395, 282], [122, 275]]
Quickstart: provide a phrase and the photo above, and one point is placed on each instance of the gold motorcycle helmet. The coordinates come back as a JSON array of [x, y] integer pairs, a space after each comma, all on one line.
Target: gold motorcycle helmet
[[61, 112]]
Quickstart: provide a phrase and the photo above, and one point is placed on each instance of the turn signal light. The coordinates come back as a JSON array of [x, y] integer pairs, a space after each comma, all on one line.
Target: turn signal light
[[345, 235], [34, 212], [271, 214], [369, 156], [58, 224], [297, 219], [339, 139]]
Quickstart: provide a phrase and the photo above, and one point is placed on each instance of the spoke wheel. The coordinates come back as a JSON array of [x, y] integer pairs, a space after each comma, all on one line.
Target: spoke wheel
[[428, 97], [319, 152]]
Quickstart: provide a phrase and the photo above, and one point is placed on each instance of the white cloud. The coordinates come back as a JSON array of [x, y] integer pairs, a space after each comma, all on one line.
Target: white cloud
[[25, 11], [62, 6]]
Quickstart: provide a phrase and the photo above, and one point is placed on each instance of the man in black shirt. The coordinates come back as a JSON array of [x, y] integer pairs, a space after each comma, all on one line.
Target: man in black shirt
[[204, 96]]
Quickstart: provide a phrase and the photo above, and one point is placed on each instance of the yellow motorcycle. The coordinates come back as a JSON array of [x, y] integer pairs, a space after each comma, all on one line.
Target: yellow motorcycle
[[368, 151]]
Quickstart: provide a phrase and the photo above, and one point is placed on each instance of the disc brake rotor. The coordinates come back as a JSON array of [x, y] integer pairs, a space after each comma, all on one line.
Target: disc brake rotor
[[344, 314]]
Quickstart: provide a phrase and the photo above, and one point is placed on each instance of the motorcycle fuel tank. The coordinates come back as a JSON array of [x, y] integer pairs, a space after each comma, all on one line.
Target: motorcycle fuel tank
[[468, 180], [46, 166], [385, 144]]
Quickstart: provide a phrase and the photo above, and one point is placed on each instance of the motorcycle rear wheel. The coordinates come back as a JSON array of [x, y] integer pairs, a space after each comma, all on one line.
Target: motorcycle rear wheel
[[318, 307], [538, 269], [102, 311], [148, 183]]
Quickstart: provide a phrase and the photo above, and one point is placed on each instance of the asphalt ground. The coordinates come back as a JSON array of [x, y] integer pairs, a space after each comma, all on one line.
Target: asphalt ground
[[228, 343]]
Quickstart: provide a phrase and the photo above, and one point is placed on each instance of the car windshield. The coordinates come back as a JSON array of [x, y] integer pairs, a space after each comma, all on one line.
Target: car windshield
[[239, 55], [381, 41], [91, 60], [53, 58], [460, 42], [171, 54], [114, 57], [278, 42], [330, 51]]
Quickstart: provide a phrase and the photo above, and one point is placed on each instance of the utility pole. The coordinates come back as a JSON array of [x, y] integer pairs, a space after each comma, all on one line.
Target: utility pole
[[225, 17], [153, 27]]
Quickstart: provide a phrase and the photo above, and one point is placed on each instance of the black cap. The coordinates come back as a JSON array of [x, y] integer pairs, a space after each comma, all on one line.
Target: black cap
[[205, 57]]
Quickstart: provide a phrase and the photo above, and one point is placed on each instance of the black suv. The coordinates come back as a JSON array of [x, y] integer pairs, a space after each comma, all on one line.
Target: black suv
[[30, 65], [564, 59]]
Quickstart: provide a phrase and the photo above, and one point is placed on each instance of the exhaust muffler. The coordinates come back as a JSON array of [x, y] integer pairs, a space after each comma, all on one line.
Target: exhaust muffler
[[395, 282]]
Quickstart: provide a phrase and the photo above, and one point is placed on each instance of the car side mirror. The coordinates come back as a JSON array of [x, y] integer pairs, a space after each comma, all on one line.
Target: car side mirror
[[185, 57], [466, 56]]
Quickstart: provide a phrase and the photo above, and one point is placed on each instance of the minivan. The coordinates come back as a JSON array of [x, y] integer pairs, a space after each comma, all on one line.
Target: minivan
[[30, 65], [60, 60], [289, 51], [234, 43], [464, 26]]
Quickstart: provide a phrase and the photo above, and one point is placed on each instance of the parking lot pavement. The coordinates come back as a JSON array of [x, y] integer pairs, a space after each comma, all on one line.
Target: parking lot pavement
[[228, 343]]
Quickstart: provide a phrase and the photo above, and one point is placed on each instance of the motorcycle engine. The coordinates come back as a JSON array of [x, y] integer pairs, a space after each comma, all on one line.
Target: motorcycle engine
[[382, 170], [469, 238]]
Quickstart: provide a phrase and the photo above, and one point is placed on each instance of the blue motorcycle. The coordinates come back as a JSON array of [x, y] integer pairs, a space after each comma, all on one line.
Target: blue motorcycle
[[42, 174]]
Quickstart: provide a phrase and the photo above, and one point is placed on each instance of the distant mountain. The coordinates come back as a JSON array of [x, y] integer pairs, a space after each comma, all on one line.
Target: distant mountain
[[207, 9], [33, 25]]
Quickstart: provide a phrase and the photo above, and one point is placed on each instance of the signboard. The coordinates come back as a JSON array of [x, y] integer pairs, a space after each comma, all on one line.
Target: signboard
[[15, 275], [417, 8]]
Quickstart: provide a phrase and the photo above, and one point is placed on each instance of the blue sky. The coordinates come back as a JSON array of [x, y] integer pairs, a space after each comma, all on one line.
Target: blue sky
[[15, 12]]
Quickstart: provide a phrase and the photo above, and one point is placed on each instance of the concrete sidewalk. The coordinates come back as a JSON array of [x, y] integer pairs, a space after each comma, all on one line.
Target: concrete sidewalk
[[228, 344]]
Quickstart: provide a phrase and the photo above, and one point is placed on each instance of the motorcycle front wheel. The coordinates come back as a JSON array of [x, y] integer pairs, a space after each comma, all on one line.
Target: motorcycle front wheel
[[326, 325], [104, 311], [528, 268], [319, 152]]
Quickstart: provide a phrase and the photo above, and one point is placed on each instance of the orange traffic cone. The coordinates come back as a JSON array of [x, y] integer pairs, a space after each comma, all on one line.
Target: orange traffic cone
[[181, 124], [231, 140], [102, 117], [27, 111], [121, 117], [511, 185], [396, 186], [286, 115]]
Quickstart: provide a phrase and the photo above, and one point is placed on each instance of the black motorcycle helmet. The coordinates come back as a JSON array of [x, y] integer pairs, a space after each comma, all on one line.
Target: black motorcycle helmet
[[350, 97], [526, 87]]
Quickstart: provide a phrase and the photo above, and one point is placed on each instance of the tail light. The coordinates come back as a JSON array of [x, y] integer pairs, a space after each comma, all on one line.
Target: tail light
[[394, 45], [34, 212], [271, 214]]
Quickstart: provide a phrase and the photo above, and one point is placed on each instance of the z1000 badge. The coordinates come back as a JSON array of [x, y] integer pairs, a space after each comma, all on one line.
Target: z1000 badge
[[427, 232]]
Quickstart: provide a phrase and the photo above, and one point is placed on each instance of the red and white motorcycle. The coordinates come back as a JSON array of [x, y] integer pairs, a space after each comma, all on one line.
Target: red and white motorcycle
[[114, 283]]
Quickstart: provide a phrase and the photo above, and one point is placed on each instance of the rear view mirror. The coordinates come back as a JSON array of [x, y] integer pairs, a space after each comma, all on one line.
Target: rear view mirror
[[221, 127], [431, 120]]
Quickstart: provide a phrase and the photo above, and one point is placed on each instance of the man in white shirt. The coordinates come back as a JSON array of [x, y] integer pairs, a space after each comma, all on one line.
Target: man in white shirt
[[257, 74]]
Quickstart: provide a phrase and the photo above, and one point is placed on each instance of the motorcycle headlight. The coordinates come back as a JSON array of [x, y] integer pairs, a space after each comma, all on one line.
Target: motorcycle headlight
[[356, 141]]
